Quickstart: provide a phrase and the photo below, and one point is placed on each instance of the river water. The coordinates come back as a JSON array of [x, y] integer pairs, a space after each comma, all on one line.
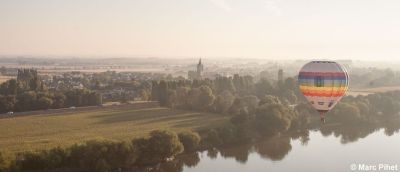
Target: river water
[[353, 151]]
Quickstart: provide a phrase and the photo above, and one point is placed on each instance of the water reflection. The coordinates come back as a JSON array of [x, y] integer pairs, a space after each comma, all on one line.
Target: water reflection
[[328, 151]]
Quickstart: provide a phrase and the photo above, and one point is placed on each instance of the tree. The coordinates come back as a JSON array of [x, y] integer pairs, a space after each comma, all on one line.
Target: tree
[[346, 113], [182, 97], [4, 163], [201, 98], [44, 103], [223, 101], [269, 99], [388, 105], [26, 101], [190, 140], [13, 87], [9, 87], [206, 98], [236, 107], [263, 87], [82, 97], [172, 99], [59, 100], [212, 138], [7, 103], [290, 84], [272, 119], [161, 145], [104, 155], [74, 97], [163, 93], [154, 91], [224, 83], [240, 119], [251, 103], [290, 96]]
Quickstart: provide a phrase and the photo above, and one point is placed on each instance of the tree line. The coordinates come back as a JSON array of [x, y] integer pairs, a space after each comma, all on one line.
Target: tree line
[[267, 104], [265, 108], [104, 155], [270, 120], [28, 92], [257, 110]]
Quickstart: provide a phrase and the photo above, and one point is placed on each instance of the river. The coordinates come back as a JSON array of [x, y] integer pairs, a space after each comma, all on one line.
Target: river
[[331, 150]]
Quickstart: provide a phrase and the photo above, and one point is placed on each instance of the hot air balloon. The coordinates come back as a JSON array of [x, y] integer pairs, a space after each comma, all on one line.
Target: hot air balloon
[[323, 83]]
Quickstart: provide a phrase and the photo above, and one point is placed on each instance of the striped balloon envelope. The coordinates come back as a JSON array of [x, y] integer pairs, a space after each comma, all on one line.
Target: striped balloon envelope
[[323, 83]]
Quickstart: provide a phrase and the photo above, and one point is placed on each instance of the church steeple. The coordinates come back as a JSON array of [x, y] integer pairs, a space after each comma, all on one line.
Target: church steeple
[[200, 69]]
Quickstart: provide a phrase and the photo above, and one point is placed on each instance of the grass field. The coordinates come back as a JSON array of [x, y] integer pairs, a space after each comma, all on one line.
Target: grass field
[[35, 132]]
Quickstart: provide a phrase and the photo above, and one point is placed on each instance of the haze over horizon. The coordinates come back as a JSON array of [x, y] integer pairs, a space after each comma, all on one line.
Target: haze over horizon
[[287, 29]]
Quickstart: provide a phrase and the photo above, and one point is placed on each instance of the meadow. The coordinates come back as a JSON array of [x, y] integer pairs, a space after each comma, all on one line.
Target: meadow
[[46, 130]]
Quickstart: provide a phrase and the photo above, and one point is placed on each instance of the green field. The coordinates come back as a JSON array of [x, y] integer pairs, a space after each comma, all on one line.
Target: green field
[[35, 132]]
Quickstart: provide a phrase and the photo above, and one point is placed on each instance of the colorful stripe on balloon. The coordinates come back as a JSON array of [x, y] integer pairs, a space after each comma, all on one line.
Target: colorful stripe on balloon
[[323, 84]]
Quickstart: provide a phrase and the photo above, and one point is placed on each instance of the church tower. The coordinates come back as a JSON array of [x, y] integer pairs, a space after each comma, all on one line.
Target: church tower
[[200, 69]]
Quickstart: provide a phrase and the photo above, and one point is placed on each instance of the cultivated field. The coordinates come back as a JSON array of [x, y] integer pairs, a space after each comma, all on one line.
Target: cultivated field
[[41, 131]]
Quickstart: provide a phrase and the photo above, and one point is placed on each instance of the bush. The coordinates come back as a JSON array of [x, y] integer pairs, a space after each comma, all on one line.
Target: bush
[[190, 140]]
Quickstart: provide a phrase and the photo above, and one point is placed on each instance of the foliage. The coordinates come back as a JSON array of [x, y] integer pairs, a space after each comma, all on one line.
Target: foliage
[[273, 118], [212, 138], [190, 140], [346, 112], [103, 155], [223, 102], [28, 93], [201, 98], [160, 145], [43, 160], [4, 162]]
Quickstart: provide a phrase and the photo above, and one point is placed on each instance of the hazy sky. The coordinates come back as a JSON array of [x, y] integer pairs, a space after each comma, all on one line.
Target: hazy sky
[[356, 29]]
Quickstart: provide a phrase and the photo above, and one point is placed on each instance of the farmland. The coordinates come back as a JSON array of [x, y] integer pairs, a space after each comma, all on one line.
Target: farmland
[[50, 129]]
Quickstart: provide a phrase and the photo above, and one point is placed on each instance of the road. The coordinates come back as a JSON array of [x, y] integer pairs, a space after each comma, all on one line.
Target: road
[[142, 104]]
